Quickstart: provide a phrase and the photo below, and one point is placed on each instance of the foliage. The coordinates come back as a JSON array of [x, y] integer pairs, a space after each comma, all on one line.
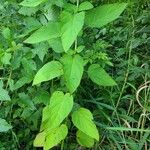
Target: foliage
[[73, 74]]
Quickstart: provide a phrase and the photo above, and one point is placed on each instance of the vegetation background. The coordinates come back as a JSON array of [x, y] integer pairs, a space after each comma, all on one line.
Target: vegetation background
[[121, 113]]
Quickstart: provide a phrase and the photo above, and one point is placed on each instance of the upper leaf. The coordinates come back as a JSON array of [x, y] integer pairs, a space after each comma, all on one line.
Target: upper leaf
[[49, 71], [73, 70], [99, 76], [4, 126], [55, 136], [85, 6], [103, 15], [71, 29], [49, 31], [31, 3], [82, 119], [59, 108]]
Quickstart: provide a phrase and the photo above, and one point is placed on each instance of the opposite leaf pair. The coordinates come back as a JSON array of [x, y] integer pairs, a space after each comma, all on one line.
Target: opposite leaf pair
[[71, 67], [53, 132]]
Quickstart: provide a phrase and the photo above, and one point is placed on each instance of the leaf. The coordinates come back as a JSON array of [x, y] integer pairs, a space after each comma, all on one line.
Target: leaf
[[4, 95], [49, 31], [4, 126], [102, 15], [55, 136], [99, 76], [82, 119], [80, 48], [56, 45], [31, 3], [41, 50], [42, 97], [59, 108], [73, 71], [22, 81], [6, 33], [28, 11], [84, 140], [49, 71], [58, 3], [25, 100], [71, 29], [39, 140], [85, 6], [6, 58], [68, 7]]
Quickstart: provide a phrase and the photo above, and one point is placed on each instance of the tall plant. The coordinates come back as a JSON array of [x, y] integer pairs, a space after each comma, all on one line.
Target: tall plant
[[62, 32]]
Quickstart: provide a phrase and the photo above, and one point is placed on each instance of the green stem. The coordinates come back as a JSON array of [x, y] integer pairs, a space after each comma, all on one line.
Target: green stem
[[62, 145], [77, 3]]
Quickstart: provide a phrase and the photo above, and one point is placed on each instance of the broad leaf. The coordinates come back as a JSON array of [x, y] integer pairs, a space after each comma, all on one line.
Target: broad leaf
[[41, 50], [84, 140], [49, 71], [49, 31], [31, 3], [6, 32], [56, 45], [71, 29], [6, 59], [55, 136], [85, 6], [40, 139], [59, 108], [99, 76], [82, 119], [4, 95], [103, 15], [4, 126], [73, 70]]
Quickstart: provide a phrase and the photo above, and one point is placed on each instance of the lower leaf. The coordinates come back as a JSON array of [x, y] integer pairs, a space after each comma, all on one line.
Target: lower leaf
[[84, 140]]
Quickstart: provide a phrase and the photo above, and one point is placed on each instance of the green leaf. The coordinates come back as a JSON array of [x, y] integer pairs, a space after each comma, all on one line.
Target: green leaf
[[71, 29], [73, 71], [28, 11], [4, 126], [55, 136], [84, 140], [59, 108], [49, 71], [4, 95], [82, 119], [99, 76], [31, 3], [58, 3], [41, 50], [22, 81], [6, 58], [39, 140], [6, 33], [49, 31], [102, 15], [68, 7], [25, 100], [80, 48], [85, 6], [56, 45]]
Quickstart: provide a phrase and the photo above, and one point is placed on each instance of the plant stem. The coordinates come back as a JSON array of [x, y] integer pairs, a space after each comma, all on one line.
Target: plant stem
[[77, 3], [62, 145]]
